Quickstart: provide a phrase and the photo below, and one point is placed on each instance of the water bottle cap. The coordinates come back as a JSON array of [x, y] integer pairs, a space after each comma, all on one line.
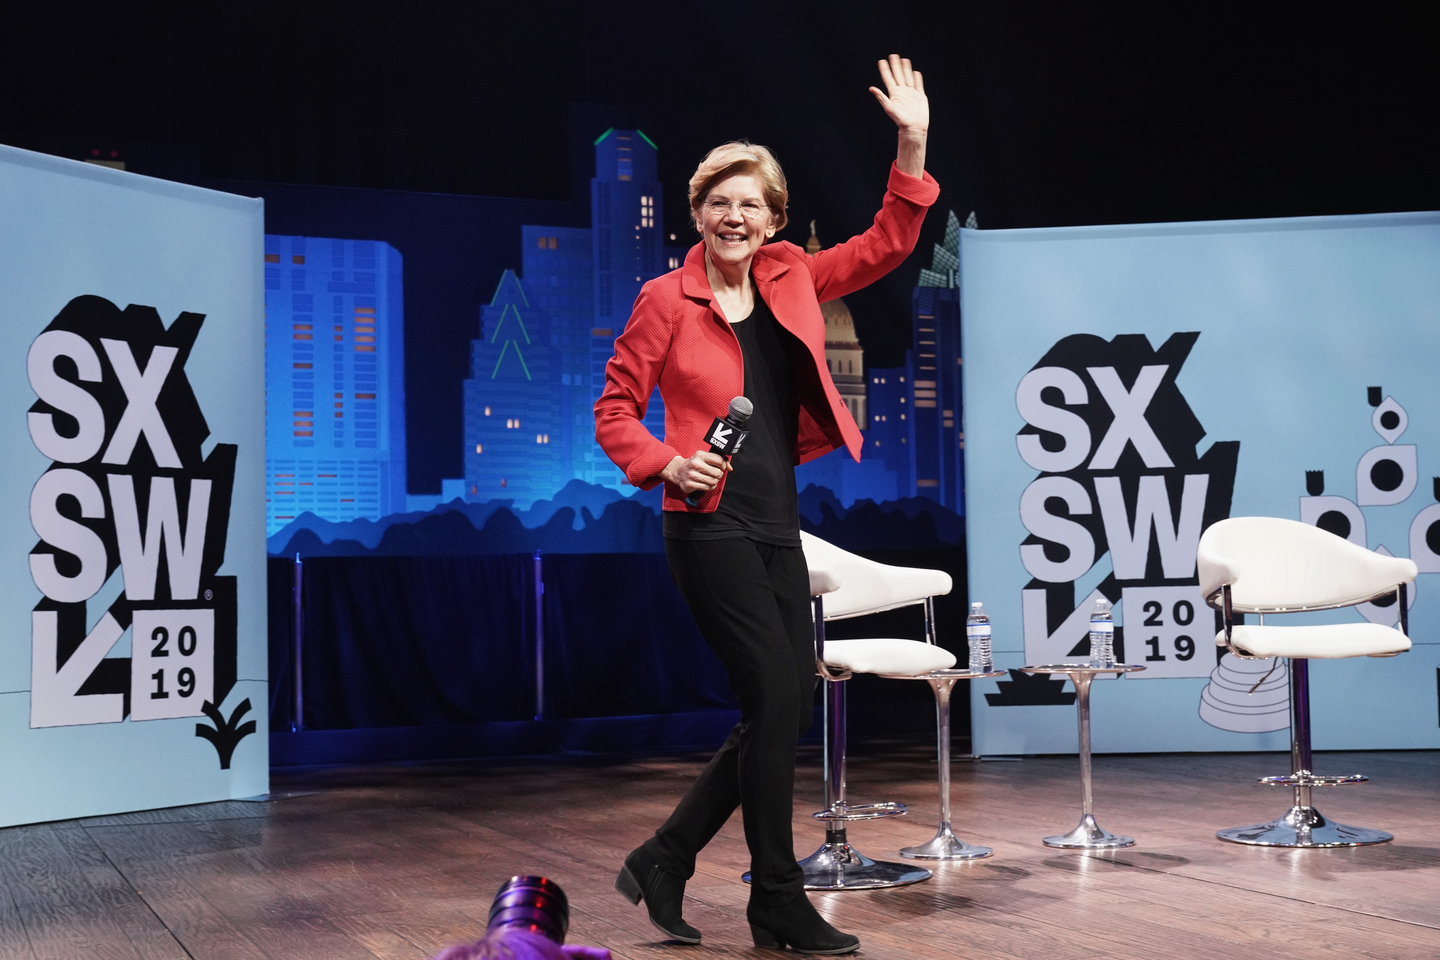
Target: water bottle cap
[[1102, 606], [977, 607]]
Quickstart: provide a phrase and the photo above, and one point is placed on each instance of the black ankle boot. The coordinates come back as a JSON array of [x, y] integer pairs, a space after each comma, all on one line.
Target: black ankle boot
[[798, 925], [663, 893]]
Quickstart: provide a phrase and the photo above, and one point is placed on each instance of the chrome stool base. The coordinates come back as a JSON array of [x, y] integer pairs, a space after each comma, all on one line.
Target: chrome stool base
[[1089, 835], [839, 866], [945, 846], [1304, 827]]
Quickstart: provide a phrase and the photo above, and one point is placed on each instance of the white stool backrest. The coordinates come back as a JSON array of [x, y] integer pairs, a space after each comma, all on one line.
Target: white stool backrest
[[1273, 564], [853, 586]]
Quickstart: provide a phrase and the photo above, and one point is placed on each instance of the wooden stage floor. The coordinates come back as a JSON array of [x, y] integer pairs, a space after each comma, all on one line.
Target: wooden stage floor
[[398, 861]]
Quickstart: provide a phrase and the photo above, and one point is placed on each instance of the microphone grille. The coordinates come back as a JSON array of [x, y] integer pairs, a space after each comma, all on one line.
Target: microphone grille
[[740, 409]]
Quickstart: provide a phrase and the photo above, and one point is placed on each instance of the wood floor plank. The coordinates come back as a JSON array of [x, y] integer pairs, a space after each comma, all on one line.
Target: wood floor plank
[[61, 911], [14, 941], [223, 810], [397, 861], [411, 934], [168, 885], [149, 937]]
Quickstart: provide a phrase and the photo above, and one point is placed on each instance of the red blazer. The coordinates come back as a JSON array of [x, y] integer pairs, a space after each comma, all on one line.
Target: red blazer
[[676, 337]]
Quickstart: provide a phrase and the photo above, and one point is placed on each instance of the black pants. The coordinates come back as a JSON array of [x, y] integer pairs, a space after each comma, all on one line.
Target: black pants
[[752, 602]]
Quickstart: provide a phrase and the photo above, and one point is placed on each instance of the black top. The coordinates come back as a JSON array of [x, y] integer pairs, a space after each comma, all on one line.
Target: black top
[[759, 499]]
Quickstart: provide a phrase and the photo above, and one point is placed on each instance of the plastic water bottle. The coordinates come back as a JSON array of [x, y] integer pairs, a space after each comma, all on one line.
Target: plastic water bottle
[[1102, 635], [977, 633]]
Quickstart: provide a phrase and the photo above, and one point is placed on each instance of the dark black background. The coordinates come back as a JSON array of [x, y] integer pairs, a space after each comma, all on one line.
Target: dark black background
[[1043, 114]]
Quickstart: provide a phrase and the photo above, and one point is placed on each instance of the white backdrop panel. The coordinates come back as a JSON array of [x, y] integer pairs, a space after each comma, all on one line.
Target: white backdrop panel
[[1170, 375], [133, 341]]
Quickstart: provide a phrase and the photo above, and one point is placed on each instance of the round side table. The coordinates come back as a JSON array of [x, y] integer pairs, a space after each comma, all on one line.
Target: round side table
[[1087, 834], [945, 845]]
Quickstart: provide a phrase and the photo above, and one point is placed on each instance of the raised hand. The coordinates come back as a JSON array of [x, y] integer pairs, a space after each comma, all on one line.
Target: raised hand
[[904, 102], [904, 98]]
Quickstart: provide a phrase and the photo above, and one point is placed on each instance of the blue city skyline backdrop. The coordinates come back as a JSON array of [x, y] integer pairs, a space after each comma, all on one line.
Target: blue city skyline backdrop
[[337, 367], [334, 379]]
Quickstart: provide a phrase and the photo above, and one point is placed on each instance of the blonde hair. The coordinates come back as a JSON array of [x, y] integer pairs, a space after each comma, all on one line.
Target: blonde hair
[[737, 158]]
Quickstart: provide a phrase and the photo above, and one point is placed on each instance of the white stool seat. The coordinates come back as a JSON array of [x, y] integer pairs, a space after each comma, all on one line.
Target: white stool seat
[[1327, 641], [887, 657]]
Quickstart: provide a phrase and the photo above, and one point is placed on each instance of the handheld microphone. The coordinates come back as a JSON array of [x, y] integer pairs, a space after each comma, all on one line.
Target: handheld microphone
[[725, 437]]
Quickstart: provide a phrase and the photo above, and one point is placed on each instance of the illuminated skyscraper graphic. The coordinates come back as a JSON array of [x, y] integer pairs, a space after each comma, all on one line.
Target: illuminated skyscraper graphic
[[557, 263], [627, 217], [890, 435], [334, 379], [935, 315], [517, 443], [587, 281], [915, 423]]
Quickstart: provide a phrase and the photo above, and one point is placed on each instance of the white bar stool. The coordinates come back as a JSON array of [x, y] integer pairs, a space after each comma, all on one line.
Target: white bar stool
[[1269, 565], [845, 585]]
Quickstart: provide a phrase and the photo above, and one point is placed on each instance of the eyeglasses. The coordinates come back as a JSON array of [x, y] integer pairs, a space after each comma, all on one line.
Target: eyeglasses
[[751, 209]]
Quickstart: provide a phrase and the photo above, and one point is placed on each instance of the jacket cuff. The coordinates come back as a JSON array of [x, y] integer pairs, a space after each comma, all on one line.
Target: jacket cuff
[[921, 190], [644, 472]]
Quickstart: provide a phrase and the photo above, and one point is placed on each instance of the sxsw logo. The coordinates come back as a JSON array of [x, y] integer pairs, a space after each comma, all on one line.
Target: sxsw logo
[[725, 438], [132, 520], [1114, 443]]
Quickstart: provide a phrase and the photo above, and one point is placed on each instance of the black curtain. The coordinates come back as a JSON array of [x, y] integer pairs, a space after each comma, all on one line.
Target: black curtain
[[412, 641], [620, 641], [423, 641], [415, 641]]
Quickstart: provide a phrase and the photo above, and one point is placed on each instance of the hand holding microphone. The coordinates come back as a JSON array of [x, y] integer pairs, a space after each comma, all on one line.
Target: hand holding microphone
[[702, 472]]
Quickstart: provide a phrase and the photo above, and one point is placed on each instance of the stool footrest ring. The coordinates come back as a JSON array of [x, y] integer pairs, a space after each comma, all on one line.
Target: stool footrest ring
[[862, 811], [1310, 780]]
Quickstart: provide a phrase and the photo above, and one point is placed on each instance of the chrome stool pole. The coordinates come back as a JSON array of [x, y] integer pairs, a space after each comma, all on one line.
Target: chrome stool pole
[[1302, 825], [836, 865]]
